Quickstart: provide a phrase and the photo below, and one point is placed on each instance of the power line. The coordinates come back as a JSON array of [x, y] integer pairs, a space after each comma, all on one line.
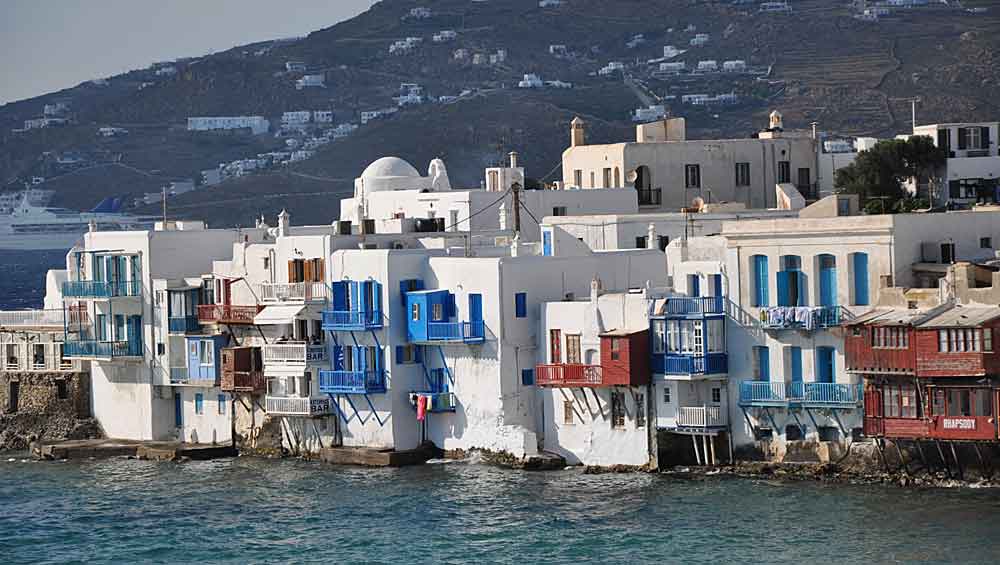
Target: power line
[[480, 211]]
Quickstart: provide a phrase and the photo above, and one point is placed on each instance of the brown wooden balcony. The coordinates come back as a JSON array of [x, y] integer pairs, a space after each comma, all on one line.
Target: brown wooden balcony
[[569, 375], [242, 370], [227, 314]]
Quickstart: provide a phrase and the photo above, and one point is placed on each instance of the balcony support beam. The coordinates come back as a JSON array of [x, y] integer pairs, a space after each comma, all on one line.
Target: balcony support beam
[[374, 411], [335, 400], [840, 424]]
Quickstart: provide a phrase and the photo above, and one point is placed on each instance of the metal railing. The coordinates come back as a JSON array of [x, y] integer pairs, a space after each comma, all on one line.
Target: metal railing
[[801, 393], [650, 196], [680, 364], [569, 375], [102, 349], [294, 292], [802, 317], [352, 320], [31, 318], [702, 417], [296, 406], [178, 374], [101, 289], [50, 362], [695, 306], [293, 353], [183, 325], [456, 331], [351, 382], [227, 314]]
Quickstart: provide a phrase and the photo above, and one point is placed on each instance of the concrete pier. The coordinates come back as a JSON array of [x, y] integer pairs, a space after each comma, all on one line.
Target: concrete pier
[[107, 448], [368, 457]]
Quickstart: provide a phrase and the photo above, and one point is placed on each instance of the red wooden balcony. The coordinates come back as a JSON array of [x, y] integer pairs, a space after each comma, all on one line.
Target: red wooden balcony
[[567, 375], [227, 314], [862, 357]]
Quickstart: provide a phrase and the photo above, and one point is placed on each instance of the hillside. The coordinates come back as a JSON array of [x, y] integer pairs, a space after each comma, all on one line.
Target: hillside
[[817, 63]]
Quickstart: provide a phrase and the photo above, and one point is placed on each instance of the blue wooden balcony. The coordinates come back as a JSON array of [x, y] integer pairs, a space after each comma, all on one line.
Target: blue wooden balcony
[[186, 324], [695, 307], [352, 382], [462, 332], [809, 395], [101, 289], [681, 364], [352, 320], [101, 349]]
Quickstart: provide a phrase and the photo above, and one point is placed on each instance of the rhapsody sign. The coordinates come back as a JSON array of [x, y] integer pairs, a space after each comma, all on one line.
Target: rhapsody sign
[[960, 423]]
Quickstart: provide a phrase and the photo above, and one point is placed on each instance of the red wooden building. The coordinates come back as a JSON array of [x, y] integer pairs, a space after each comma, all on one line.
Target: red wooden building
[[624, 362], [932, 374]]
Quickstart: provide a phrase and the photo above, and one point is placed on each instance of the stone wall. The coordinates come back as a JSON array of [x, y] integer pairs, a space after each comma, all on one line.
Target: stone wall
[[41, 414]]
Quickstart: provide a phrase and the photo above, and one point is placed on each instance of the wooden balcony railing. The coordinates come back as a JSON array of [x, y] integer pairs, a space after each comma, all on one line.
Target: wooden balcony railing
[[567, 375], [227, 314]]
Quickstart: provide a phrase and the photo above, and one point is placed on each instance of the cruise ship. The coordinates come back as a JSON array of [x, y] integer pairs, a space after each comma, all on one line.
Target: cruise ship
[[27, 223]]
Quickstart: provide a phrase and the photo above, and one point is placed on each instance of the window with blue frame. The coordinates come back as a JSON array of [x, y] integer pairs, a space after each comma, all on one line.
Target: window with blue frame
[[860, 265], [199, 403], [527, 377], [760, 282], [827, 280], [547, 243], [795, 363], [825, 364], [792, 282], [762, 363], [222, 405], [521, 305]]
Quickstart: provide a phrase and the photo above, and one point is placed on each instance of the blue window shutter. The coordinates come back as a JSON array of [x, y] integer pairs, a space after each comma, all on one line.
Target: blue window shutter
[[339, 296], [800, 288], [784, 288], [178, 408], [475, 307], [418, 354], [764, 363], [861, 279], [450, 306], [760, 278], [824, 364], [355, 296], [717, 285], [222, 404], [521, 305], [199, 403], [796, 364], [547, 243], [527, 377], [377, 296], [694, 285], [399, 354]]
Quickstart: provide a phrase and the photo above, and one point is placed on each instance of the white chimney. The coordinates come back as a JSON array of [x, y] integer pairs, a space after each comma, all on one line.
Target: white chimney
[[513, 159], [284, 223], [651, 236]]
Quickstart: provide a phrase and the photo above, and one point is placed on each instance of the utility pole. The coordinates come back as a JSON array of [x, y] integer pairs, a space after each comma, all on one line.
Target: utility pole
[[516, 195]]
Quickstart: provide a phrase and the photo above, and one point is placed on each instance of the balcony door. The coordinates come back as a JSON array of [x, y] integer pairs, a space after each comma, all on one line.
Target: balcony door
[[573, 349], [555, 347], [824, 364], [827, 280]]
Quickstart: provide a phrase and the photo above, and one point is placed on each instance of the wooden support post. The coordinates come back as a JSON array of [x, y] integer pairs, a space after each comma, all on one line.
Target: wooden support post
[[947, 466], [902, 460], [881, 453], [982, 462], [697, 456], [711, 443], [958, 462], [923, 458]]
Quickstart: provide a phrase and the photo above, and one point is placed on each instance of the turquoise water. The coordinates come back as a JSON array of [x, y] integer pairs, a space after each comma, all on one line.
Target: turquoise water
[[248, 510]]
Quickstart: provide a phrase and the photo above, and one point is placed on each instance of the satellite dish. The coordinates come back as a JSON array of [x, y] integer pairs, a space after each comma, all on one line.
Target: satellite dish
[[632, 176], [697, 203]]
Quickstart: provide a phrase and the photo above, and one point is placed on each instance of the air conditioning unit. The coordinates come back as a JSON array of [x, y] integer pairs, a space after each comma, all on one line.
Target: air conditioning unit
[[344, 228], [398, 245], [368, 227]]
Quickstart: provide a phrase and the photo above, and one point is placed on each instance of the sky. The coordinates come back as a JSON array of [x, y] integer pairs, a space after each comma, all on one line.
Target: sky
[[48, 45]]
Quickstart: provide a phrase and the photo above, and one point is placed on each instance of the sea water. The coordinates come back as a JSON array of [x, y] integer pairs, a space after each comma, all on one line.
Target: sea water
[[250, 510]]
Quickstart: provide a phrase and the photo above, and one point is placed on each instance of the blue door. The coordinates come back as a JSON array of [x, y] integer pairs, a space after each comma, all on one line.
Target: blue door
[[716, 285], [475, 307], [824, 364], [760, 280], [861, 279], [763, 363], [827, 280], [135, 334], [178, 409]]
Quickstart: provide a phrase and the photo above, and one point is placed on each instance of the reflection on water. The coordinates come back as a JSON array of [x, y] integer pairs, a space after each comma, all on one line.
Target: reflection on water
[[254, 510]]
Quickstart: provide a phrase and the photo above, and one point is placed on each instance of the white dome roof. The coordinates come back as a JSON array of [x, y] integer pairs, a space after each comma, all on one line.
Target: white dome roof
[[389, 167]]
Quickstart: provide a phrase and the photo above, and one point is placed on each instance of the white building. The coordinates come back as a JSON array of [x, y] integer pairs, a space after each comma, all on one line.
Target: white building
[[256, 124], [611, 68], [735, 66], [652, 113], [296, 118], [295, 67], [311, 81], [972, 169], [444, 36], [708, 66], [322, 116], [531, 81], [699, 40]]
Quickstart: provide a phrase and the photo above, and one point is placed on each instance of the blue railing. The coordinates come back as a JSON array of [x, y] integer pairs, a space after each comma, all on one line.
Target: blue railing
[[102, 349], [335, 320], [456, 331], [802, 317], [711, 364], [186, 324], [351, 382], [799, 393], [100, 289], [695, 306]]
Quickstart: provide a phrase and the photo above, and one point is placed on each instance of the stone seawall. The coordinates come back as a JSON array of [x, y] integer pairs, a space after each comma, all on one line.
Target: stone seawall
[[44, 406]]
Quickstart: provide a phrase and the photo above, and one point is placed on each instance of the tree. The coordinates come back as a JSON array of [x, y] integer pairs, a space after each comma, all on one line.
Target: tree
[[877, 174]]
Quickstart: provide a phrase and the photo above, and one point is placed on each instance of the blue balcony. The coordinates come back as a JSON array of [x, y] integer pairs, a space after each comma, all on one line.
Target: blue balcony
[[461, 332], [352, 382], [680, 364], [695, 307], [187, 324], [356, 320], [801, 317], [101, 349], [101, 289], [807, 395]]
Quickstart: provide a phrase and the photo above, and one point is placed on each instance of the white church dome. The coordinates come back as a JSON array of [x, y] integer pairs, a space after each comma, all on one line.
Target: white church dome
[[389, 167]]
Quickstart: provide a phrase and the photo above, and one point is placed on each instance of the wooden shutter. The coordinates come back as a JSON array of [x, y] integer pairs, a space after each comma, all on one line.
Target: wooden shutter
[[307, 271], [963, 138], [291, 270], [985, 136], [319, 269]]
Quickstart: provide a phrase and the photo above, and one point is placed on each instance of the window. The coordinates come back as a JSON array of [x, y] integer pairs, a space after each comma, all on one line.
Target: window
[[222, 404], [662, 242], [62, 389], [692, 176], [659, 336], [607, 177], [593, 182], [618, 177], [568, 417], [760, 290], [527, 377], [947, 253], [762, 364], [805, 179], [666, 394], [962, 340], [843, 206], [784, 172], [494, 181], [578, 178], [406, 354], [988, 339], [640, 410], [437, 312], [896, 337], [716, 338], [615, 348], [555, 347], [206, 353], [742, 174], [617, 409], [986, 243], [13, 394], [973, 138], [716, 395], [521, 305], [415, 313], [573, 349], [559, 211], [199, 403], [860, 267], [640, 242]]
